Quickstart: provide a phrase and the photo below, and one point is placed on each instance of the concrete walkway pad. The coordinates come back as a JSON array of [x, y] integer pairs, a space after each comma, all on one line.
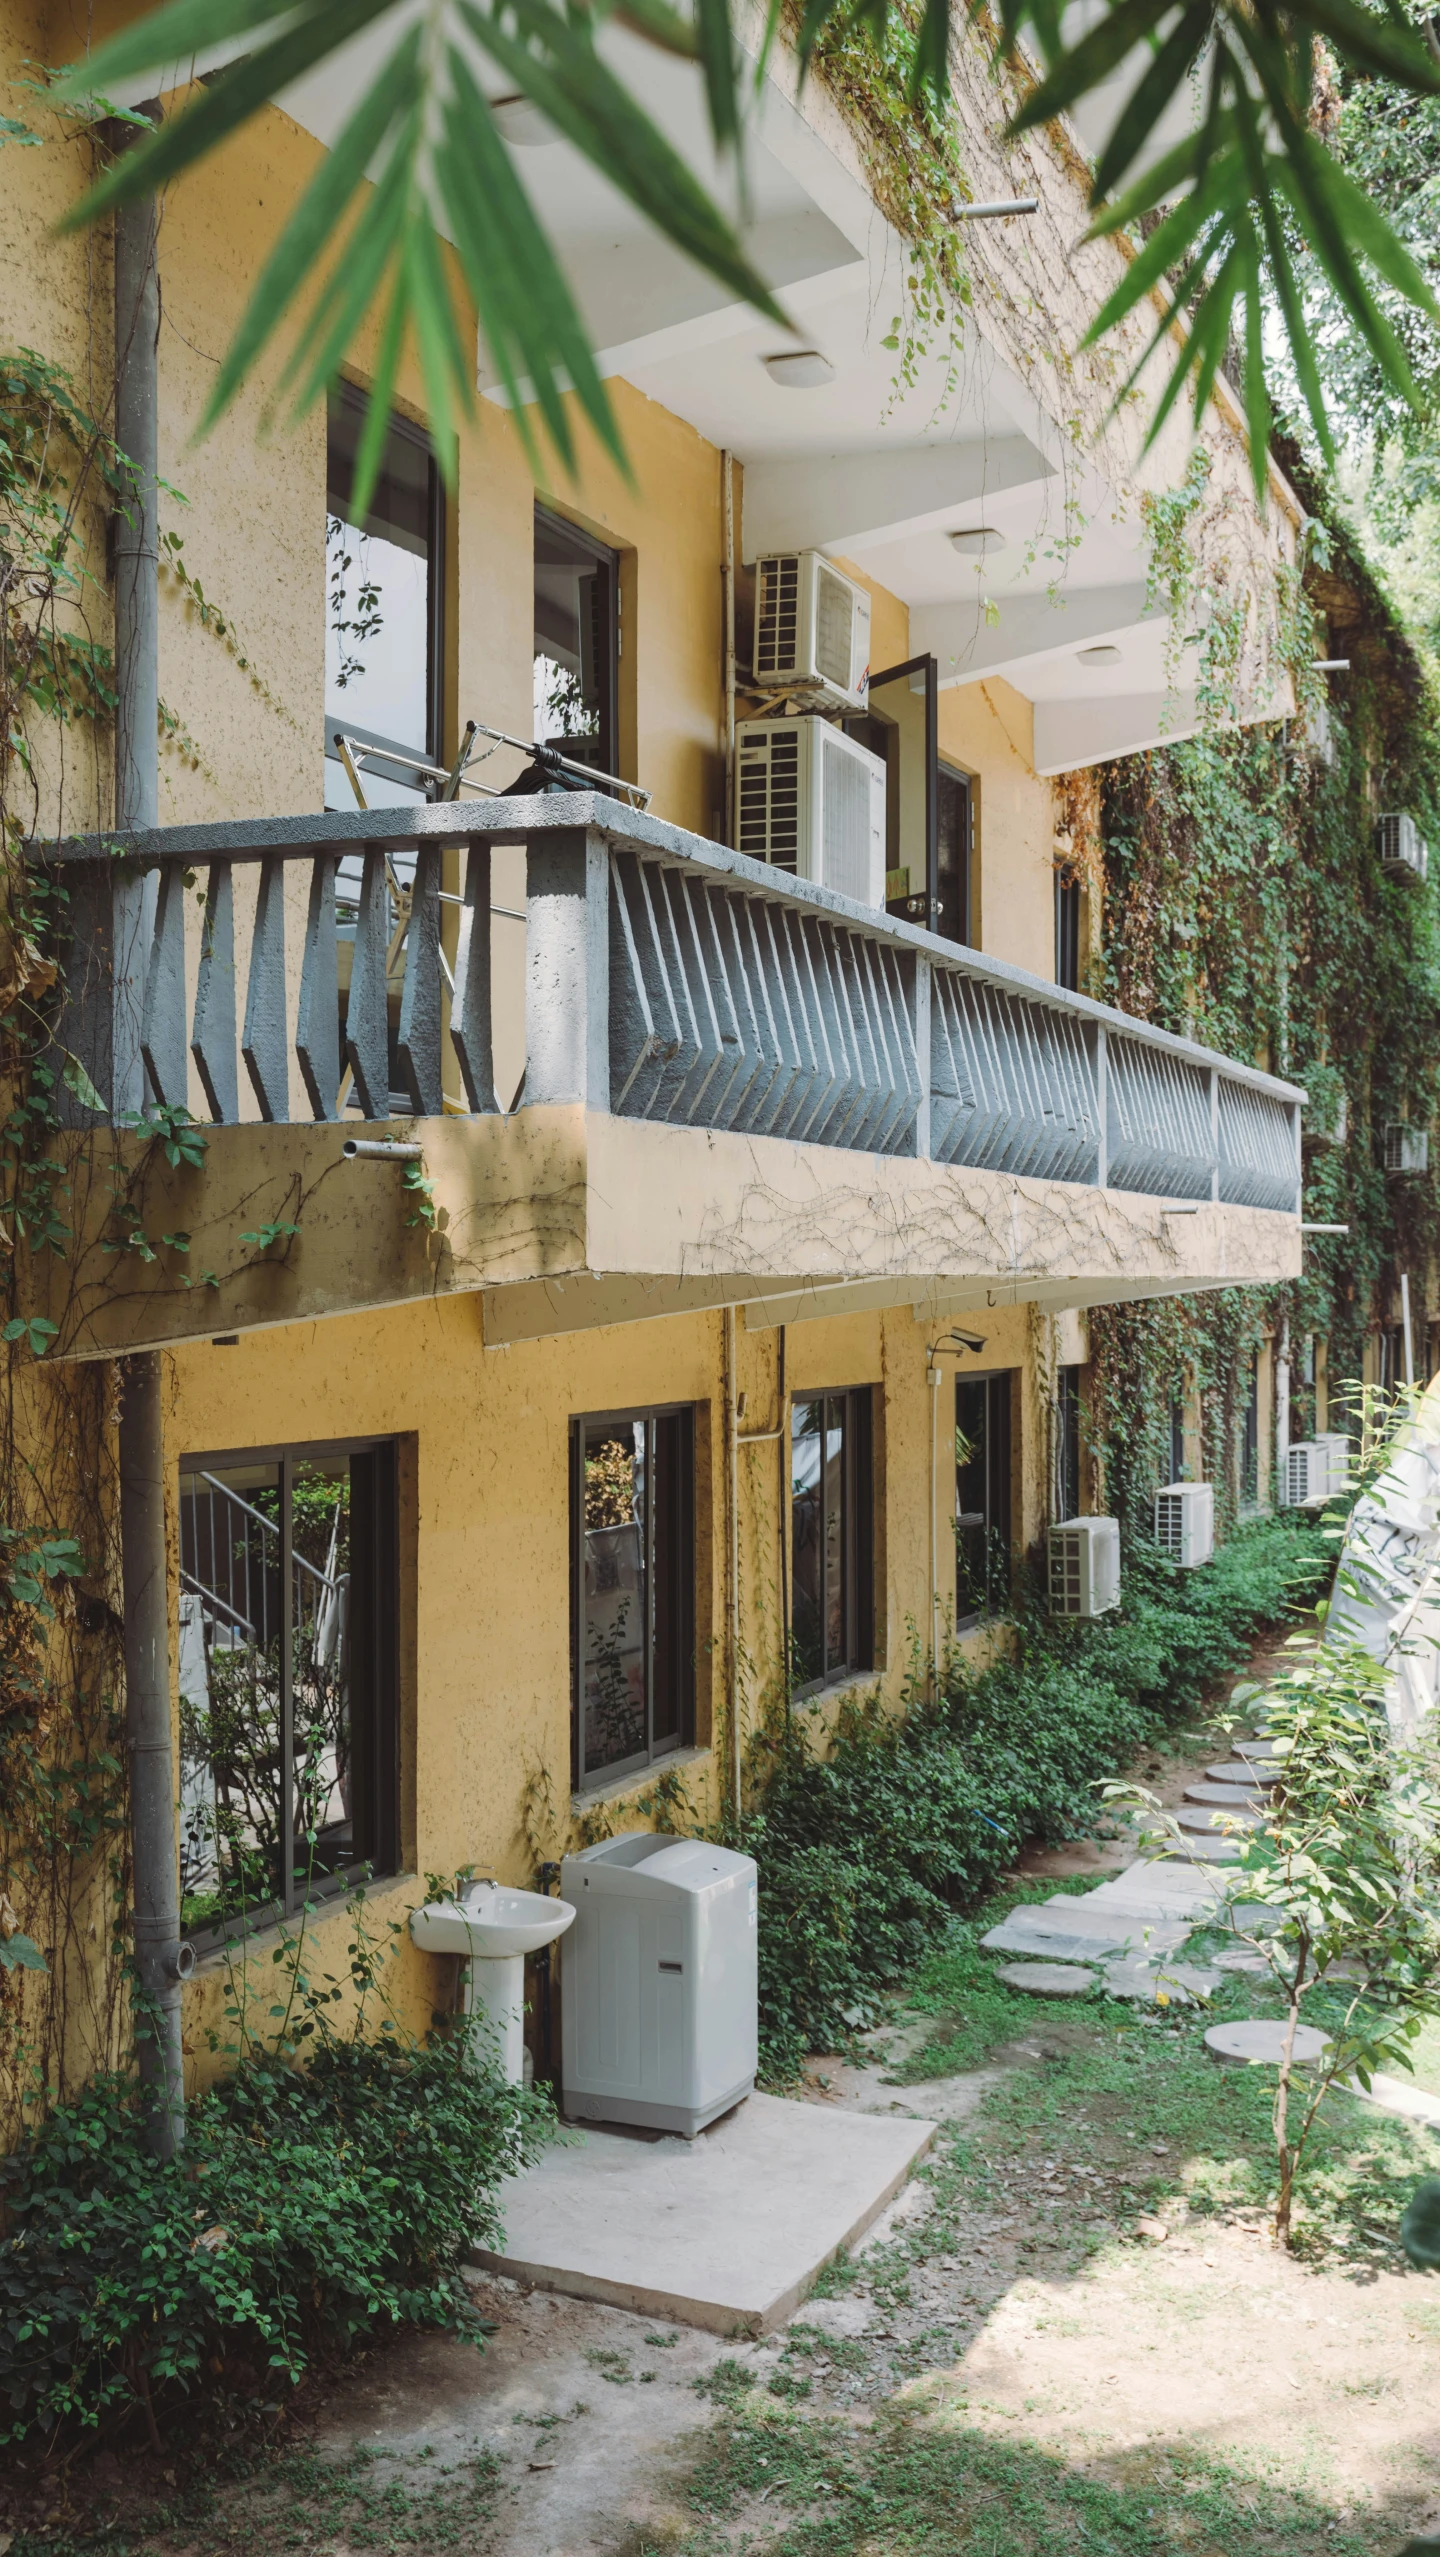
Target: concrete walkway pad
[[728, 2231]]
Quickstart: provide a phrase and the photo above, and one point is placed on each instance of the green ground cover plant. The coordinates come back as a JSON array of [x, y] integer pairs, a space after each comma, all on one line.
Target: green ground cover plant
[[307, 2207], [866, 1854]]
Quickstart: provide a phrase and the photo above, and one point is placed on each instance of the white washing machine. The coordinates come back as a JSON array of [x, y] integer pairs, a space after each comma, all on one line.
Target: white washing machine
[[659, 1987]]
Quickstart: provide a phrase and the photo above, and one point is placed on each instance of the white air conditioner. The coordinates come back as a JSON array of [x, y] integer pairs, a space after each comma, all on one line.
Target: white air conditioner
[[1185, 1522], [1336, 1449], [1401, 845], [1084, 1566], [809, 799], [812, 629], [1407, 1149], [1305, 1474]]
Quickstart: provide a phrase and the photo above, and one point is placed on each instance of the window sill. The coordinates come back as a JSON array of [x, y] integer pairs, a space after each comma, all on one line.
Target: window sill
[[636, 1781], [848, 1682], [247, 1947]]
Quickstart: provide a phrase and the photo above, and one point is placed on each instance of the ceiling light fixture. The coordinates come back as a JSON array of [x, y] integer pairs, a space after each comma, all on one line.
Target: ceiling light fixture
[[519, 122], [804, 370], [976, 541], [1102, 656]]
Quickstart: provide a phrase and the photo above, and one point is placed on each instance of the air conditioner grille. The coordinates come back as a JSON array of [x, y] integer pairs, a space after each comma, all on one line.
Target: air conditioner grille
[[845, 821], [770, 801], [1169, 1524], [834, 628], [777, 624]]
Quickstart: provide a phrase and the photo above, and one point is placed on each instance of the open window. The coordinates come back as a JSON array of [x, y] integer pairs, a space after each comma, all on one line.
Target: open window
[[982, 1496], [289, 1679], [832, 1539], [1066, 1495], [927, 803], [1069, 920], [632, 1524], [384, 616], [577, 643]]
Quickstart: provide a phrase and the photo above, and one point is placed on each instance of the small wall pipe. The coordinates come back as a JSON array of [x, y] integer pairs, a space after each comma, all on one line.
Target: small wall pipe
[[160, 1960]]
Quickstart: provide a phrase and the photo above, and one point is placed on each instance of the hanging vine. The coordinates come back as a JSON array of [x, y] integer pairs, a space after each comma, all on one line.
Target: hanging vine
[[1246, 905]]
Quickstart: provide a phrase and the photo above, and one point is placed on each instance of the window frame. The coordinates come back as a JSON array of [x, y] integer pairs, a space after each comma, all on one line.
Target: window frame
[[606, 558], [352, 396], [1069, 926], [998, 1513], [857, 1558], [381, 1751], [589, 1782], [1067, 1425]]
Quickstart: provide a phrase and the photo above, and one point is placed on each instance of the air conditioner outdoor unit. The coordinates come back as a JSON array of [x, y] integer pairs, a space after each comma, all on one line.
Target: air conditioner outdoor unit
[[1407, 1149], [1084, 1566], [1185, 1522], [1401, 845], [809, 799], [1336, 1448], [1305, 1474], [812, 629]]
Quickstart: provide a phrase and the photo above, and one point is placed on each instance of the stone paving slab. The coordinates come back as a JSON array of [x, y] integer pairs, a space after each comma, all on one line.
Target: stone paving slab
[[1182, 1983], [1050, 1936], [1046, 1979], [1242, 1771], [1202, 1850], [1225, 1797], [728, 2231], [1260, 2040], [1205, 1823]]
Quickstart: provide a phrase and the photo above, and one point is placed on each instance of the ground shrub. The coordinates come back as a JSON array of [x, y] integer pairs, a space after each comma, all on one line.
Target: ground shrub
[[306, 2206], [865, 1854]]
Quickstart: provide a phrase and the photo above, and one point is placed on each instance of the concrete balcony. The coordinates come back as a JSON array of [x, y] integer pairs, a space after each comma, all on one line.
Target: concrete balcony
[[737, 1089]]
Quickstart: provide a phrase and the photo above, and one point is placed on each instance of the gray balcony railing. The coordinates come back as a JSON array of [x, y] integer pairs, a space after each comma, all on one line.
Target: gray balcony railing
[[665, 979]]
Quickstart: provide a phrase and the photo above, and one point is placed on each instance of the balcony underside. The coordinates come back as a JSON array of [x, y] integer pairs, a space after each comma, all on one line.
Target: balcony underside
[[559, 1219]]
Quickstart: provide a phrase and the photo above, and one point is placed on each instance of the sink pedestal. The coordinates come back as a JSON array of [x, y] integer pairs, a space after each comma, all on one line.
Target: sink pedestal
[[495, 1998]]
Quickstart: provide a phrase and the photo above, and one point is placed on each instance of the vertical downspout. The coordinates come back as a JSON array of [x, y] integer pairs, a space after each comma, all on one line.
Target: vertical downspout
[[727, 579], [159, 1961]]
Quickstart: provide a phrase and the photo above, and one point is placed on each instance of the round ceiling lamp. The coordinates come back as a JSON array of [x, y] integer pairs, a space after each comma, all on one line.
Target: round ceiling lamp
[[976, 540], [519, 122], [1097, 657], [806, 369]]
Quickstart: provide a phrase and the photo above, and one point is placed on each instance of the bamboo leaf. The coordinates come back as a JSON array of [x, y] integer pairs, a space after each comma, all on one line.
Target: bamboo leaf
[[1149, 99], [1084, 65], [312, 225]]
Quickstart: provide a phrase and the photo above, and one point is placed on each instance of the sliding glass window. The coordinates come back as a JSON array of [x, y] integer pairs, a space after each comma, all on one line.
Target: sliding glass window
[[632, 1518], [384, 616], [289, 1676], [832, 1546]]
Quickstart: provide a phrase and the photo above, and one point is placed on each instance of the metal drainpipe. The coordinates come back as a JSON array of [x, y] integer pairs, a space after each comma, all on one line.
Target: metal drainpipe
[[160, 1960]]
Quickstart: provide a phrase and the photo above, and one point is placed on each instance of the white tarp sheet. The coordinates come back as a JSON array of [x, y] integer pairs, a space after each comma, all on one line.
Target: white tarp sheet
[[1387, 1587]]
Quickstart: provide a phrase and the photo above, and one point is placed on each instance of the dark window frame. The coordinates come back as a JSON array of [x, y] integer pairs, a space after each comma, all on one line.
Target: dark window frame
[[995, 1518], [351, 396], [376, 1745], [607, 559], [857, 1557], [1249, 1436], [1065, 1492], [583, 1780], [1069, 915]]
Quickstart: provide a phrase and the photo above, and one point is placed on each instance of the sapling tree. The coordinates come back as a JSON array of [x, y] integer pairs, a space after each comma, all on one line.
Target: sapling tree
[[1338, 1886]]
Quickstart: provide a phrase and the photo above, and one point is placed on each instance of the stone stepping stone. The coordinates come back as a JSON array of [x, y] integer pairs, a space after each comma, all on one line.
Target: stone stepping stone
[[1203, 1850], [1241, 1771], [1207, 1822], [1067, 1930], [1262, 2039], [1181, 1984], [1047, 1979], [1226, 1797], [1242, 1959], [1266, 1751]]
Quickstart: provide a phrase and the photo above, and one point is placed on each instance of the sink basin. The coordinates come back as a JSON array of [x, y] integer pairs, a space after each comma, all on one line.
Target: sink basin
[[489, 1923]]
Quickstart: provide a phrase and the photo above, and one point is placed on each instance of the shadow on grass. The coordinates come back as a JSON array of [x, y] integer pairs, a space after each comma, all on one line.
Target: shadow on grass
[[931, 2485]]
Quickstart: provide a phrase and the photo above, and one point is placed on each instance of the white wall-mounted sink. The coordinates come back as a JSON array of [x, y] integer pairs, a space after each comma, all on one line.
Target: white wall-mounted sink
[[493, 1929]]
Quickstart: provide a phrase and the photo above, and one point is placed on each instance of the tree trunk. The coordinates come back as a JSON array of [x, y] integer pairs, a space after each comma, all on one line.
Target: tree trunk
[[1283, 2150]]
